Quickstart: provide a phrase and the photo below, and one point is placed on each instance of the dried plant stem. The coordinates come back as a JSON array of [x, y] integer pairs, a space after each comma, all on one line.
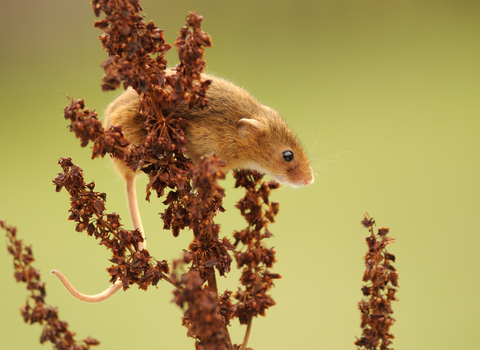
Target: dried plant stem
[[212, 283], [105, 223], [169, 280], [247, 334], [230, 346]]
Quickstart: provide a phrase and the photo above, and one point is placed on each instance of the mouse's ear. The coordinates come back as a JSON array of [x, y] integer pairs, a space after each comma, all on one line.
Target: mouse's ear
[[249, 127]]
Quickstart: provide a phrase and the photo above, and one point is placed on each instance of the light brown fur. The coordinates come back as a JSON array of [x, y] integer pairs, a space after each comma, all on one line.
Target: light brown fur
[[235, 126]]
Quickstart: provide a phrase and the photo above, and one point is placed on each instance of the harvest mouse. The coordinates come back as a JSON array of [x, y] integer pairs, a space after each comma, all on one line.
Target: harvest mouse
[[235, 126]]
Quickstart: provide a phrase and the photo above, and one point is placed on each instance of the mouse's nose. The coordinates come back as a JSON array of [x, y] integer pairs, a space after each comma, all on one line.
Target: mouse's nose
[[308, 181]]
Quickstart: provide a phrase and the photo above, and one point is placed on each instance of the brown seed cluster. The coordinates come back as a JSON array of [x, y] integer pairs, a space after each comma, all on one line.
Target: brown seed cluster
[[207, 250], [203, 316], [36, 310], [206, 313], [86, 126], [130, 43], [131, 265], [381, 279], [253, 255]]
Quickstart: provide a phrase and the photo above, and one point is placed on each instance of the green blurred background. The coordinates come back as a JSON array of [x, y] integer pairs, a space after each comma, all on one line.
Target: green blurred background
[[385, 97]]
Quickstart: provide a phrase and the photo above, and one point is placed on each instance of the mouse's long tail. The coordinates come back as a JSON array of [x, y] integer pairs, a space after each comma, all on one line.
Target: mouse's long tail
[[137, 223], [133, 207], [88, 298]]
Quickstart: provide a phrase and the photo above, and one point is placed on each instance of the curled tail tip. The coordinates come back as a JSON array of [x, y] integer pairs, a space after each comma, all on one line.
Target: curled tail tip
[[106, 294]]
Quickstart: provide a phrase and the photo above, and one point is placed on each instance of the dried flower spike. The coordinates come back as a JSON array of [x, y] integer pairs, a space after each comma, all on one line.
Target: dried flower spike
[[252, 255], [379, 290], [202, 314], [36, 310], [132, 262]]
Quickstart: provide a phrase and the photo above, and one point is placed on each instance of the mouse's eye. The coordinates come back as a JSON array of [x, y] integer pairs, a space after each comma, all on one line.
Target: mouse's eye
[[287, 156]]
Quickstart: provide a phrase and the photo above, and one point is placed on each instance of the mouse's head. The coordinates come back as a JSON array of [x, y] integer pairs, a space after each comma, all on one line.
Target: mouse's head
[[275, 149]]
